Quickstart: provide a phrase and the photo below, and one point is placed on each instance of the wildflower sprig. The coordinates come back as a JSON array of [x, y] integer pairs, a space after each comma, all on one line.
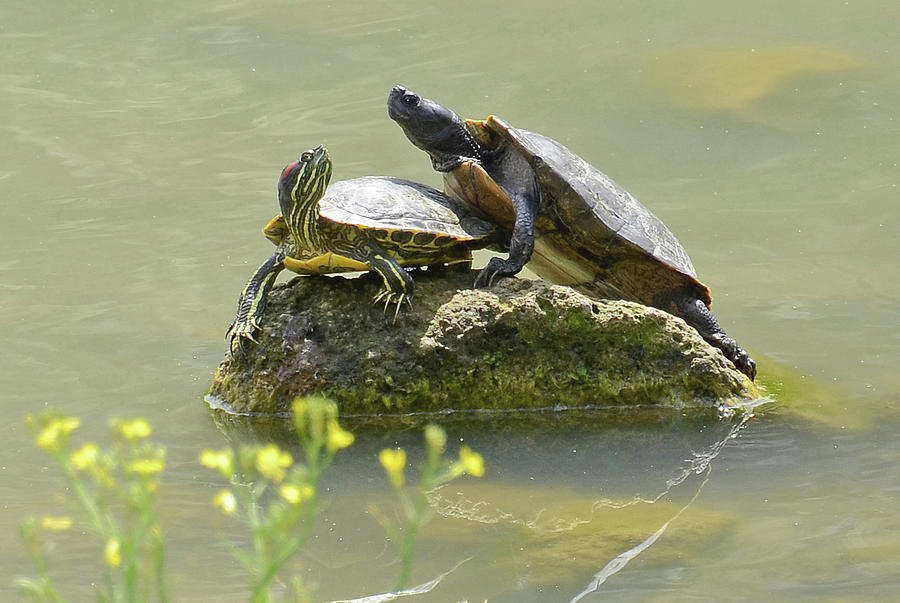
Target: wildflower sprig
[[435, 472], [272, 490], [276, 495], [40, 588], [112, 490]]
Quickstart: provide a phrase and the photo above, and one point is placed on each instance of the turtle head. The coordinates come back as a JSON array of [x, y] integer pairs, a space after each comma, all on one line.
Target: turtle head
[[302, 185], [433, 128]]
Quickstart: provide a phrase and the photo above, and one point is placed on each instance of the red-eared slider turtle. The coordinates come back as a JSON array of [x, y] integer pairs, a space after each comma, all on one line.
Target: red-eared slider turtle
[[370, 223], [583, 229]]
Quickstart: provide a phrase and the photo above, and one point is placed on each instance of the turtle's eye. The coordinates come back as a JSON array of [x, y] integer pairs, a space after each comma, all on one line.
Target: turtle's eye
[[306, 157], [410, 99]]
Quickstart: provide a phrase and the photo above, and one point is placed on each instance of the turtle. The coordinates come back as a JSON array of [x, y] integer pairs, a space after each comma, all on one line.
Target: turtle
[[573, 223], [376, 223]]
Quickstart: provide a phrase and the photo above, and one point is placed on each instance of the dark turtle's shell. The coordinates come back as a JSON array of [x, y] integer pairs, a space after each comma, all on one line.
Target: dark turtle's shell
[[588, 227]]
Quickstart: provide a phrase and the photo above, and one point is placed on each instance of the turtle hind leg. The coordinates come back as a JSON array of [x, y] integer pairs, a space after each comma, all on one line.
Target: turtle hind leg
[[697, 314], [397, 283], [252, 302]]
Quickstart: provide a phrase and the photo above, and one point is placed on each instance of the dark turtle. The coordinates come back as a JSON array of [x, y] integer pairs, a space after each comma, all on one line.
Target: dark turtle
[[370, 223], [582, 228]]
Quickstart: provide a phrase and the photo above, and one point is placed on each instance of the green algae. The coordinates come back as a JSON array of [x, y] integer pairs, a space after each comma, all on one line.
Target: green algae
[[522, 344], [737, 79], [809, 400]]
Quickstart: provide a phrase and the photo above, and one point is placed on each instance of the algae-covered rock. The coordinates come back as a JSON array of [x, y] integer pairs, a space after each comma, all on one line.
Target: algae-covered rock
[[520, 344]]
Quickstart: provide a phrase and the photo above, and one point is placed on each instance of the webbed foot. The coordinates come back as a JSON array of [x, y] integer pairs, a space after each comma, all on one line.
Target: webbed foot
[[741, 359], [496, 268]]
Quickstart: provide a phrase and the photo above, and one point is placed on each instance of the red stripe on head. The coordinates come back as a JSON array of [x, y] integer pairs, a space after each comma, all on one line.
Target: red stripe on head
[[288, 168]]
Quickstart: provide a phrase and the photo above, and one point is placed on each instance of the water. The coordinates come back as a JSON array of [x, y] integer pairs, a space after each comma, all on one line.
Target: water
[[141, 146]]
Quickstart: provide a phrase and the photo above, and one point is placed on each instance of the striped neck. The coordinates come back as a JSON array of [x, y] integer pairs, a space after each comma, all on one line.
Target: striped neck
[[303, 221], [300, 188]]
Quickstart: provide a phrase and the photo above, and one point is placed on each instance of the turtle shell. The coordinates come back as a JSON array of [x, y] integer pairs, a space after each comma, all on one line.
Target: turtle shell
[[401, 207], [420, 224], [589, 231]]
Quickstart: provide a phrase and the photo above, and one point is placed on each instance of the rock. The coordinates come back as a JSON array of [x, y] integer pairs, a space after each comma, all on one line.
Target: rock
[[518, 345]]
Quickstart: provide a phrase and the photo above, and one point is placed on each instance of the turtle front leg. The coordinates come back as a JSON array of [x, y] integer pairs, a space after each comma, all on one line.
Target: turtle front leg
[[697, 314], [398, 284], [521, 243], [252, 301]]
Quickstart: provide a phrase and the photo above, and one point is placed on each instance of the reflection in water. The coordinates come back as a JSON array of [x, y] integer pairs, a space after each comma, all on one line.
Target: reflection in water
[[622, 560], [420, 589], [565, 493], [551, 519]]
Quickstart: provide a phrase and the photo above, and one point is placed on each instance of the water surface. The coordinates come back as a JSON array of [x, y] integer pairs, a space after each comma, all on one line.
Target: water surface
[[142, 145]]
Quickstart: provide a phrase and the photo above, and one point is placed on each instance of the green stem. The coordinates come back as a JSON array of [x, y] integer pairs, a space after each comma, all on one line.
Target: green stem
[[406, 556], [415, 511], [160, 558], [284, 553], [129, 568], [261, 592], [36, 549], [100, 521]]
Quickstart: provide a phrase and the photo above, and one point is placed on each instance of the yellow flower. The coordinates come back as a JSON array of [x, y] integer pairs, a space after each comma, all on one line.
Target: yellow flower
[[56, 524], [112, 552], [49, 435], [85, 457], [226, 501], [271, 462], [296, 494], [338, 437], [147, 466], [134, 429], [393, 461], [471, 462], [223, 460], [69, 424]]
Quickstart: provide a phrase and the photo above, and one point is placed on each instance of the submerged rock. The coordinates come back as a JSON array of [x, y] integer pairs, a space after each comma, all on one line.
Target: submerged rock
[[520, 344], [737, 79]]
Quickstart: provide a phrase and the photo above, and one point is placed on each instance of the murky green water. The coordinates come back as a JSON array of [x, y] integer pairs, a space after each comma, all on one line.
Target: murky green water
[[141, 146]]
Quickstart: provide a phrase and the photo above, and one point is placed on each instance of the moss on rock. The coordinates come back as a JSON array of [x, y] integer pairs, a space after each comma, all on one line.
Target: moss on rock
[[520, 344]]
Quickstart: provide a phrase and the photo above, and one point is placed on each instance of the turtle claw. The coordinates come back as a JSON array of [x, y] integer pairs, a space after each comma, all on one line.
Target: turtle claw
[[239, 332], [745, 364], [392, 297], [741, 359], [496, 268]]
